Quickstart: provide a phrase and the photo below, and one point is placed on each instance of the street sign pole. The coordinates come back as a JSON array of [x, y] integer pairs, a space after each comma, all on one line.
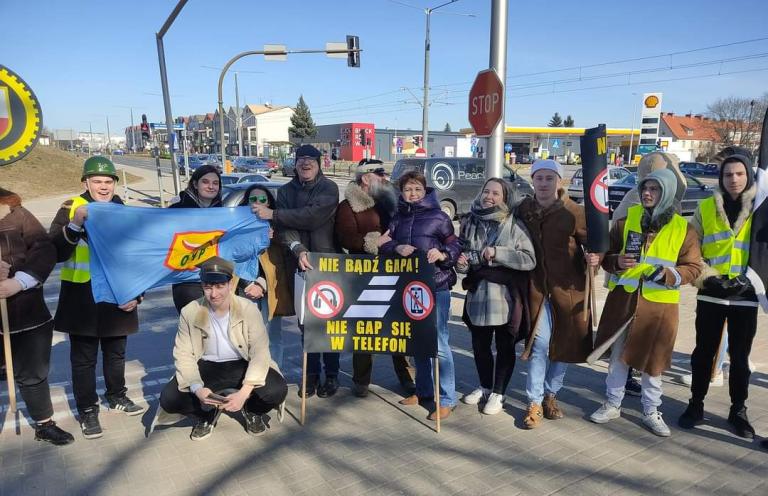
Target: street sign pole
[[498, 62]]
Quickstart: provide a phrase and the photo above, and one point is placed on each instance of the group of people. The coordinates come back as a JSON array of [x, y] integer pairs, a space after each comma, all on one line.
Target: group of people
[[523, 263]]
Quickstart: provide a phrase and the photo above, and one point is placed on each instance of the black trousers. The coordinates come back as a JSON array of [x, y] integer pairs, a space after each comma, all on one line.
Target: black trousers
[[362, 365], [495, 378], [184, 293], [742, 325], [83, 354], [218, 376], [31, 352]]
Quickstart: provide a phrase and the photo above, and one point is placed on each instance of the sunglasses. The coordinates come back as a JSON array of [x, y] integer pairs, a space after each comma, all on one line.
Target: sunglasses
[[257, 198]]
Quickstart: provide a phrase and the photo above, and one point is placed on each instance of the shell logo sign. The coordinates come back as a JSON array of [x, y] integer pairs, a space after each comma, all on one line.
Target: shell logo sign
[[651, 101], [190, 249]]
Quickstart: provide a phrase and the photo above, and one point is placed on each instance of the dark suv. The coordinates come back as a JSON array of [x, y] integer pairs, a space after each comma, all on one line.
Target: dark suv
[[456, 180]]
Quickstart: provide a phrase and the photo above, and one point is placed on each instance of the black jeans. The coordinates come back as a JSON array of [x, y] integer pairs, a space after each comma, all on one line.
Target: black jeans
[[185, 293], [362, 365], [31, 351], [218, 376], [83, 354], [742, 325], [330, 361], [493, 378]]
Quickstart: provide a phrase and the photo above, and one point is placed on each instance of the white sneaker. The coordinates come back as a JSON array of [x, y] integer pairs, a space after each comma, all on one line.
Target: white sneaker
[[494, 405], [752, 366], [687, 379], [717, 381], [476, 396], [605, 413], [655, 424]]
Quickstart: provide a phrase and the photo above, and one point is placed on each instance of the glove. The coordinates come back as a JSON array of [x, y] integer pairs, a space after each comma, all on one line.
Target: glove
[[657, 275], [713, 283], [736, 286]]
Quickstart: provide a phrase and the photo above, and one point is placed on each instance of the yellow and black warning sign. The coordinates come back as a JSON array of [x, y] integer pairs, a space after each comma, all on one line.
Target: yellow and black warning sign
[[20, 117]]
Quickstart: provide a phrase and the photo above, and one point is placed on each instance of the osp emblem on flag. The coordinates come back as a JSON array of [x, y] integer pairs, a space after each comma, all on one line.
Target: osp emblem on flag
[[191, 248]]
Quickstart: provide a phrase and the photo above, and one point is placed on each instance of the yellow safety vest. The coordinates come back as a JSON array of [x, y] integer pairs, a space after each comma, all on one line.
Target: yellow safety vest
[[724, 251], [76, 269], [664, 251]]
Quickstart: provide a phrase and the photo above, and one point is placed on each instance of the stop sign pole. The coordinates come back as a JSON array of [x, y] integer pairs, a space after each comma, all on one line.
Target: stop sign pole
[[498, 62]]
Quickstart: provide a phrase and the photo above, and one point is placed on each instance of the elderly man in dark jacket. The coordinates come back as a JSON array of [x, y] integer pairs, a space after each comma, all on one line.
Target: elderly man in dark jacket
[[304, 221], [28, 257], [88, 323], [361, 223]]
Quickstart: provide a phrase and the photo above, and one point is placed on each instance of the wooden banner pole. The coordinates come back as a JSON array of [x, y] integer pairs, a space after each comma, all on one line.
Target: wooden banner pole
[[437, 394], [592, 295], [303, 388], [7, 350], [587, 288]]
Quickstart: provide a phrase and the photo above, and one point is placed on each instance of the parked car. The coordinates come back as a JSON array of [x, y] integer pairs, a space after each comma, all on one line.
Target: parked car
[[242, 177], [289, 167], [194, 162], [576, 188], [456, 180], [699, 169], [252, 165], [118, 152], [695, 192], [232, 194]]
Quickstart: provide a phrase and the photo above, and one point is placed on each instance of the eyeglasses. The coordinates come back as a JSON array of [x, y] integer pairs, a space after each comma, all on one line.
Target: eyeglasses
[[257, 198], [306, 160]]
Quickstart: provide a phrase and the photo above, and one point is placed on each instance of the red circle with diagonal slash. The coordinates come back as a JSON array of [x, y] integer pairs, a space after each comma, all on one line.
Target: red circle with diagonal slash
[[598, 191], [322, 304], [414, 300]]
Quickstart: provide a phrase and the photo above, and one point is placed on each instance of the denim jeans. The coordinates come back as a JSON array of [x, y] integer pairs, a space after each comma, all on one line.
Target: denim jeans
[[424, 375], [615, 382], [274, 331], [544, 376]]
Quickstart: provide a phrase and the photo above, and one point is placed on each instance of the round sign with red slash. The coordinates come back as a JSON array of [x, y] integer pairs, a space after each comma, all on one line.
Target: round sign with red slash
[[598, 192], [418, 301], [325, 300]]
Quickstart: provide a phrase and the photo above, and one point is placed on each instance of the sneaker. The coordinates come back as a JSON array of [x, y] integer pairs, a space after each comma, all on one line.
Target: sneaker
[[89, 423], [494, 405], [633, 387], [654, 423], [476, 396], [692, 416], [254, 423], [329, 387], [359, 390], [716, 381], [605, 414], [125, 405], [53, 434], [312, 382], [740, 422], [202, 430]]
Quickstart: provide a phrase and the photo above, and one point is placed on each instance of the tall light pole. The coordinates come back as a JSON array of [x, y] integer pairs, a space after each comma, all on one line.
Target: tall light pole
[[239, 120], [109, 142]]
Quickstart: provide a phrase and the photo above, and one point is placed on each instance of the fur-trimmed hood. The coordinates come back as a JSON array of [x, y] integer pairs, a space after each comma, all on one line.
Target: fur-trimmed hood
[[8, 200], [358, 199], [747, 200]]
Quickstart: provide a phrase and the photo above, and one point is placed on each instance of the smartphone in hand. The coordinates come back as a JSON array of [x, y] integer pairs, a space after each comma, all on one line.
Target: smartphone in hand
[[217, 398]]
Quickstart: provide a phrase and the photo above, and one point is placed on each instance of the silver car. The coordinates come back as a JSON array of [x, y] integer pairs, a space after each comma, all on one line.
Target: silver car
[[576, 188]]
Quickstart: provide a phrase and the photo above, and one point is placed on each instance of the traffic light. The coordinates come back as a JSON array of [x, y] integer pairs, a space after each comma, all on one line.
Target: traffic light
[[362, 136], [353, 57], [144, 127]]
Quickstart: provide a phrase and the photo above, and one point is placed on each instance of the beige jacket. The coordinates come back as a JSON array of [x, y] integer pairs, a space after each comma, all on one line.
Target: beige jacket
[[246, 332]]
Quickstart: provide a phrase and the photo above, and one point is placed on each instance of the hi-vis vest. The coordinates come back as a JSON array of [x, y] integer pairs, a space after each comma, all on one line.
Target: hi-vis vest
[[76, 269], [724, 251], [664, 251]]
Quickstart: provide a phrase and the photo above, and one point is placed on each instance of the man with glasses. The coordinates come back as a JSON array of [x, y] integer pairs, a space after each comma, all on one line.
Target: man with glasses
[[221, 346], [304, 220]]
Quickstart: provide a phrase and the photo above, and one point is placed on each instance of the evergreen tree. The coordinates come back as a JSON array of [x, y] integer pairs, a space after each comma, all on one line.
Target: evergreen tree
[[556, 121], [568, 122], [447, 128], [302, 125]]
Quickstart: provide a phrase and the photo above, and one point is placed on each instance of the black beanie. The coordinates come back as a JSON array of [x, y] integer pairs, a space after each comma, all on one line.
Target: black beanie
[[744, 159]]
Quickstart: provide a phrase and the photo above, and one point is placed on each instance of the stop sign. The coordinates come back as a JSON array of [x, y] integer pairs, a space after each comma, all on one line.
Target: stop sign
[[486, 102]]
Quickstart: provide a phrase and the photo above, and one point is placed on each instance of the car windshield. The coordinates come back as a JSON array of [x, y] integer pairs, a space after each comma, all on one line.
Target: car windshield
[[629, 180], [229, 179], [407, 165], [692, 182]]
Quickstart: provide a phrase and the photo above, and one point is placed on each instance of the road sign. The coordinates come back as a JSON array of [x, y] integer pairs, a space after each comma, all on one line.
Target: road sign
[[325, 300], [555, 143], [420, 152], [486, 102], [598, 191], [418, 301], [507, 147]]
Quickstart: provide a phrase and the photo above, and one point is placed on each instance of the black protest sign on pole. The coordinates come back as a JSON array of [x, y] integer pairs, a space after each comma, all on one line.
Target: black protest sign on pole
[[366, 304], [594, 173]]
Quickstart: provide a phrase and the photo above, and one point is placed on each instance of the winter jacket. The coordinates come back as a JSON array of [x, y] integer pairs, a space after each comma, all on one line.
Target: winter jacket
[[558, 233], [359, 223], [77, 313], [27, 248], [424, 226]]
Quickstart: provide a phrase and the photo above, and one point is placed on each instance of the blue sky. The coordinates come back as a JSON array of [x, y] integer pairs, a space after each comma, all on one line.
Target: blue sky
[[89, 59]]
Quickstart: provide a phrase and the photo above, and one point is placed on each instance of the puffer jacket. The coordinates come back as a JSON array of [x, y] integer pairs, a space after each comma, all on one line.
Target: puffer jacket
[[423, 225]]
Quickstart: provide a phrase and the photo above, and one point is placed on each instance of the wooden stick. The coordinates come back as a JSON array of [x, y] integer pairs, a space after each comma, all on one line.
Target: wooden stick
[[303, 388], [437, 394], [7, 350], [587, 286], [592, 295]]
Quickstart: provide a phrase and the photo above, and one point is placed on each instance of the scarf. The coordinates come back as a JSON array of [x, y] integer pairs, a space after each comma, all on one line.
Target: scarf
[[484, 226]]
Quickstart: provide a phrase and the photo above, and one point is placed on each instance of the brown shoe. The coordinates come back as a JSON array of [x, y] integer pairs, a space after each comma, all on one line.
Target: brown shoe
[[443, 411], [410, 400], [551, 410], [533, 418]]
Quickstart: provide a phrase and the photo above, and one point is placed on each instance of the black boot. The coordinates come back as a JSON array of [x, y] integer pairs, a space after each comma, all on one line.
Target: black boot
[[740, 423], [312, 382], [53, 434], [693, 415], [329, 388]]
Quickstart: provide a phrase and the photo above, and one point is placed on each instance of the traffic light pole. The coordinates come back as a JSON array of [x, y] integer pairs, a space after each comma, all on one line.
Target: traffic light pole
[[498, 61]]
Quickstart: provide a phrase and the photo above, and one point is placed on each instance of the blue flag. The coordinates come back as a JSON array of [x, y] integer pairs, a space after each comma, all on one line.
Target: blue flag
[[133, 249]]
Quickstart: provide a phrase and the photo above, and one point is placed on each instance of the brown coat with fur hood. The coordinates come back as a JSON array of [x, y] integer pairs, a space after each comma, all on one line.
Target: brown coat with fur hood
[[27, 248], [358, 223]]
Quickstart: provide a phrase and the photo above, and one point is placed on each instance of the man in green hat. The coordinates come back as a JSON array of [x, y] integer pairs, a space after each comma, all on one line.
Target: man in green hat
[[90, 324]]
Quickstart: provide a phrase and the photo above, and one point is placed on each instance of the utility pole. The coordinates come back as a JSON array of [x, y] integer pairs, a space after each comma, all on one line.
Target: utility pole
[[133, 137], [498, 61], [109, 142], [90, 139], [239, 120]]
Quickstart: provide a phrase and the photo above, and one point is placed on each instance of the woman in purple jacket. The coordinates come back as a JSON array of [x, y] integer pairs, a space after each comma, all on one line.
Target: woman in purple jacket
[[419, 224]]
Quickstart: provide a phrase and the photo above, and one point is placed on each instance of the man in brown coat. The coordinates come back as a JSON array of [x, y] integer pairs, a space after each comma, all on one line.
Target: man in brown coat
[[652, 253], [560, 333], [361, 220]]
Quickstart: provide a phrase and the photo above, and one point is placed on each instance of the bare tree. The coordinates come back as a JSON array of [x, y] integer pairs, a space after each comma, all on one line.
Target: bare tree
[[738, 119]]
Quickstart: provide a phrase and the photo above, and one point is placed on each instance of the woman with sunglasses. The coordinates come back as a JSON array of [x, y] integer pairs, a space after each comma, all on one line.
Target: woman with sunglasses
[[203, 191], [271, 290]]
